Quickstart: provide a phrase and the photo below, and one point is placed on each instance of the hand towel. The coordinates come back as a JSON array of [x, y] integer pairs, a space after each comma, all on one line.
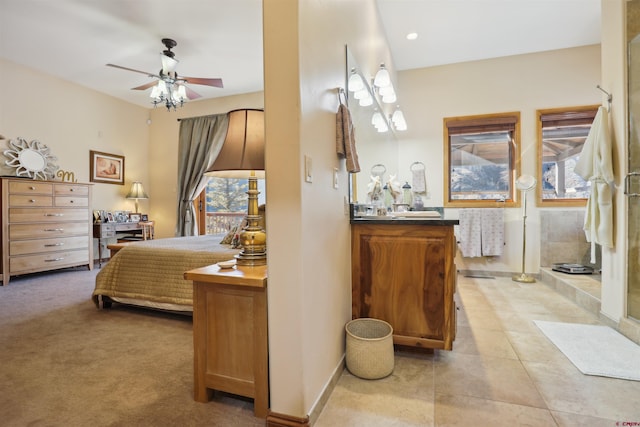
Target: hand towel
[[492, 223], [470, 233], [345, 138]]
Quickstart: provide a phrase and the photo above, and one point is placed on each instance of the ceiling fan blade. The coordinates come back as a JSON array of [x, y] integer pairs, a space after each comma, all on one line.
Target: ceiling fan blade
[[201, 81], [145, 86], [135, 71], [168, 64], [191, 94]]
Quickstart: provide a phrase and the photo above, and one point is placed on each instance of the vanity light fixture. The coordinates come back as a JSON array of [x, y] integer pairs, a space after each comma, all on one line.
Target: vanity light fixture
[[379, 122], [355, 81], [397, 118], [382, 78]]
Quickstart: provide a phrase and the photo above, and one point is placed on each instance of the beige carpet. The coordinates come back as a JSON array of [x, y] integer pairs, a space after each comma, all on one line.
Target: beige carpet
[[66, 363]]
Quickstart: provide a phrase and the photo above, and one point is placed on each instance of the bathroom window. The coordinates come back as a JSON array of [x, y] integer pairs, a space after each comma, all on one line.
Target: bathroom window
[[562, 133], [482, 159]]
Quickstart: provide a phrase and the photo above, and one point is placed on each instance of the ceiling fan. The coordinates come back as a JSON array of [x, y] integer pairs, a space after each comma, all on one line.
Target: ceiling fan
[[169, 88]]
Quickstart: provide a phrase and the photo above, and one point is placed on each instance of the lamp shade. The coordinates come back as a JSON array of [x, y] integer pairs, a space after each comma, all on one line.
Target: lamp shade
[[137, 191], [242, 152]]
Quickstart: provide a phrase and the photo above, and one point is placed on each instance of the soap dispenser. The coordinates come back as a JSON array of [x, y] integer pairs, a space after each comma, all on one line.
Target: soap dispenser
[[406, 194]]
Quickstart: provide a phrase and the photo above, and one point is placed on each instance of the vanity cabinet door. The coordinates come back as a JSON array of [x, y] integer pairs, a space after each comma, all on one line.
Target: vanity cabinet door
[[404, 275]]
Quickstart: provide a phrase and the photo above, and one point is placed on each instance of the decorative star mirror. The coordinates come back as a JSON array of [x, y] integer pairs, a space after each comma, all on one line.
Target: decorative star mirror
[[31, 159]]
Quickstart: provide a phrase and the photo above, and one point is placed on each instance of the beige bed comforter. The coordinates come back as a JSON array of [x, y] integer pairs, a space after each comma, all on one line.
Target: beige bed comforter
[[153, 270]]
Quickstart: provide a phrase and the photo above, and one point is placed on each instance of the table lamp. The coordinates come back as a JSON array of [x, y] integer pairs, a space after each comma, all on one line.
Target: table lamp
[[242, 156], [137, 192]]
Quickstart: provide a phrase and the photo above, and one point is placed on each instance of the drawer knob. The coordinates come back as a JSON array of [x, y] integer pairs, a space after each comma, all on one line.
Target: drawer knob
[[54, 259], [32, 188], [53, 244], [32, 200], [54, 229], [51, 214]]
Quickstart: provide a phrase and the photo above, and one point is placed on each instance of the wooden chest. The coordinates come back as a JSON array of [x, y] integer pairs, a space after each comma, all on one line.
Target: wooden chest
[[46, 225]]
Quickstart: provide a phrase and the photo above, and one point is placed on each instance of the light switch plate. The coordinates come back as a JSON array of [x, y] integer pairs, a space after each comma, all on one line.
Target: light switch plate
[[308, 176], [335, 178]]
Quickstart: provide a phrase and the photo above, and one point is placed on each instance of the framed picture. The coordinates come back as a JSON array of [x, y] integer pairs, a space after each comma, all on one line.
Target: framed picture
[[134, 217], [144, 217], [110, 217], [106, 168]]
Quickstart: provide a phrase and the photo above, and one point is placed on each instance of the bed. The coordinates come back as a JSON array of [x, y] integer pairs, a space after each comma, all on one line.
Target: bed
[[151, 273]]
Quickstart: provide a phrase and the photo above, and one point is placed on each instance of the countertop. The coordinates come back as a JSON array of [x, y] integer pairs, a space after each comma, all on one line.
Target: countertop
[[388, 220]]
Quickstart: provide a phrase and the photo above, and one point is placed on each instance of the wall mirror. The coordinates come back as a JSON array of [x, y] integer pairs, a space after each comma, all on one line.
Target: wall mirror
[[562, 133], [375, 149]]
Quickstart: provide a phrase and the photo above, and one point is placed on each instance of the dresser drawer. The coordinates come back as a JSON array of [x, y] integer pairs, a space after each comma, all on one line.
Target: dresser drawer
[[128, 226], [71, 190], [61, 259], [71, 201], [30, 200], [44, 231], [30, 187], [24, 247], [47, 215]]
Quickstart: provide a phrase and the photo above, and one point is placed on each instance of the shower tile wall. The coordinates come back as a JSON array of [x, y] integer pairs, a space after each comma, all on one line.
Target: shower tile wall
[[562, 239]]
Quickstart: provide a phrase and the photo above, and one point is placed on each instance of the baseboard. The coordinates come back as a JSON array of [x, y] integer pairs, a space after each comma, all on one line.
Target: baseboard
[[318, 406], [282, 420]]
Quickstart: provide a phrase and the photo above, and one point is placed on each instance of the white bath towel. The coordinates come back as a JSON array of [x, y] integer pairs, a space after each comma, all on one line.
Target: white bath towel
[[492, 223], [470, 232]]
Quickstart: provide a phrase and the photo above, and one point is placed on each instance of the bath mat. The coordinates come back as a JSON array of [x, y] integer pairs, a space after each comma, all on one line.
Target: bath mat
[[594, 349]]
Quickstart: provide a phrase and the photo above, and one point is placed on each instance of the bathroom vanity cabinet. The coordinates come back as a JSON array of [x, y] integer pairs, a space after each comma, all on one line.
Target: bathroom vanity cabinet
[[403, 272]]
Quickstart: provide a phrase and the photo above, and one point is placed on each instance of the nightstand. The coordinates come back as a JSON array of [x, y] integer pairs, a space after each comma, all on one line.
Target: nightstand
[[233, 359]]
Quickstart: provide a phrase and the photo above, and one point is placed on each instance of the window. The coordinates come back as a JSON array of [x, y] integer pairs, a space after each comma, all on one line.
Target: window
[[223, 204], [481, 159], [562, 133]]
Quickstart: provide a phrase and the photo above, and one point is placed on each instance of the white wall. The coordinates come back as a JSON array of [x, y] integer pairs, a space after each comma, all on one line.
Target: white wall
[[72, 120], [525, 83], [308, 228]]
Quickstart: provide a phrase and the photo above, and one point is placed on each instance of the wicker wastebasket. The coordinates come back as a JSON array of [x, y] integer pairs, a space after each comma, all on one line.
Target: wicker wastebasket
[[369, 349]]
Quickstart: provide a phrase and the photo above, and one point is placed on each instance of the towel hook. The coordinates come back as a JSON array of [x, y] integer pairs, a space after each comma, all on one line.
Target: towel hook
[[609, 97], [342, 95]]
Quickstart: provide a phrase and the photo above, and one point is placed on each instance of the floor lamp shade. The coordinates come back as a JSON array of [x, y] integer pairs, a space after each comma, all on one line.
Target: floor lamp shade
[[242, 156]]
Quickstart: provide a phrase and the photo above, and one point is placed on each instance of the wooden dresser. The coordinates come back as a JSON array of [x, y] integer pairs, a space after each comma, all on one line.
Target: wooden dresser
[[403, 272], [46, 225]]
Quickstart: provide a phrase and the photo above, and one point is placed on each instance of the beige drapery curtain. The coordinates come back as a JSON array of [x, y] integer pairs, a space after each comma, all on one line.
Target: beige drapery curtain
[[200, 141]]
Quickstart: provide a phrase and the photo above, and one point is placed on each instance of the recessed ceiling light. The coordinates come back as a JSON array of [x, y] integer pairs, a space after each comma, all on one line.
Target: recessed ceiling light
[[412, 36]]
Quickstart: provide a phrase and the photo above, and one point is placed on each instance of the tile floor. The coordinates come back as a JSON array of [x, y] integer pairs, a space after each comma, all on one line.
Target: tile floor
[[502, 372]]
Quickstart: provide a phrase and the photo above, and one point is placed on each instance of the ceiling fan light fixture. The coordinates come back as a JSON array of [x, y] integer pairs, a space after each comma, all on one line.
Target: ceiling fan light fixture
[[169, 88]]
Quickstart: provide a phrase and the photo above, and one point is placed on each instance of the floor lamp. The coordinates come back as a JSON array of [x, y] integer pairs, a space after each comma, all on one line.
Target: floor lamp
[[524, 183]]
